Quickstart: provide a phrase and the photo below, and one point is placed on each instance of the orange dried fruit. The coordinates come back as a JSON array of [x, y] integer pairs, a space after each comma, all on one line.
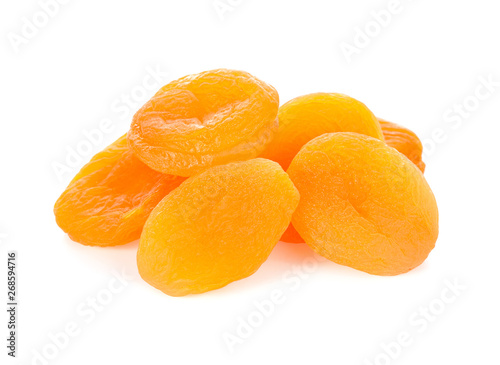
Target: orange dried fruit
[[109, 200], [363, 204], [396, 136], [309, 116], [291, 235], [404, 140], [202, 120], [217, 227]]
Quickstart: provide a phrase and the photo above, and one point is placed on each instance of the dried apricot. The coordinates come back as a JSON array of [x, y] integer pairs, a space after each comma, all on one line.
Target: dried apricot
[[404, 140], [203, 120], [291, 235], [363, 204], [396, 136], [109, 200], [217, 227], [309, 116]]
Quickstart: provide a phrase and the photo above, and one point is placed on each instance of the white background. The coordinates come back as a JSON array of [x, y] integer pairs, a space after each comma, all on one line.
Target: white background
[[424, 61]]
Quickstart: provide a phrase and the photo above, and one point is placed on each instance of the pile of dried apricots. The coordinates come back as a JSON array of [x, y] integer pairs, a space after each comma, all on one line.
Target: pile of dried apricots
[[213, 173]]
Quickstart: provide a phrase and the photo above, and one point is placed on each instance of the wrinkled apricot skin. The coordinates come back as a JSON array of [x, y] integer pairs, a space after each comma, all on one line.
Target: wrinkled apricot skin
[[306, 117], [309, 116], [396, 136], [217, 227], [203, 120], [109, 200], [363, 204], [404, 140]]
